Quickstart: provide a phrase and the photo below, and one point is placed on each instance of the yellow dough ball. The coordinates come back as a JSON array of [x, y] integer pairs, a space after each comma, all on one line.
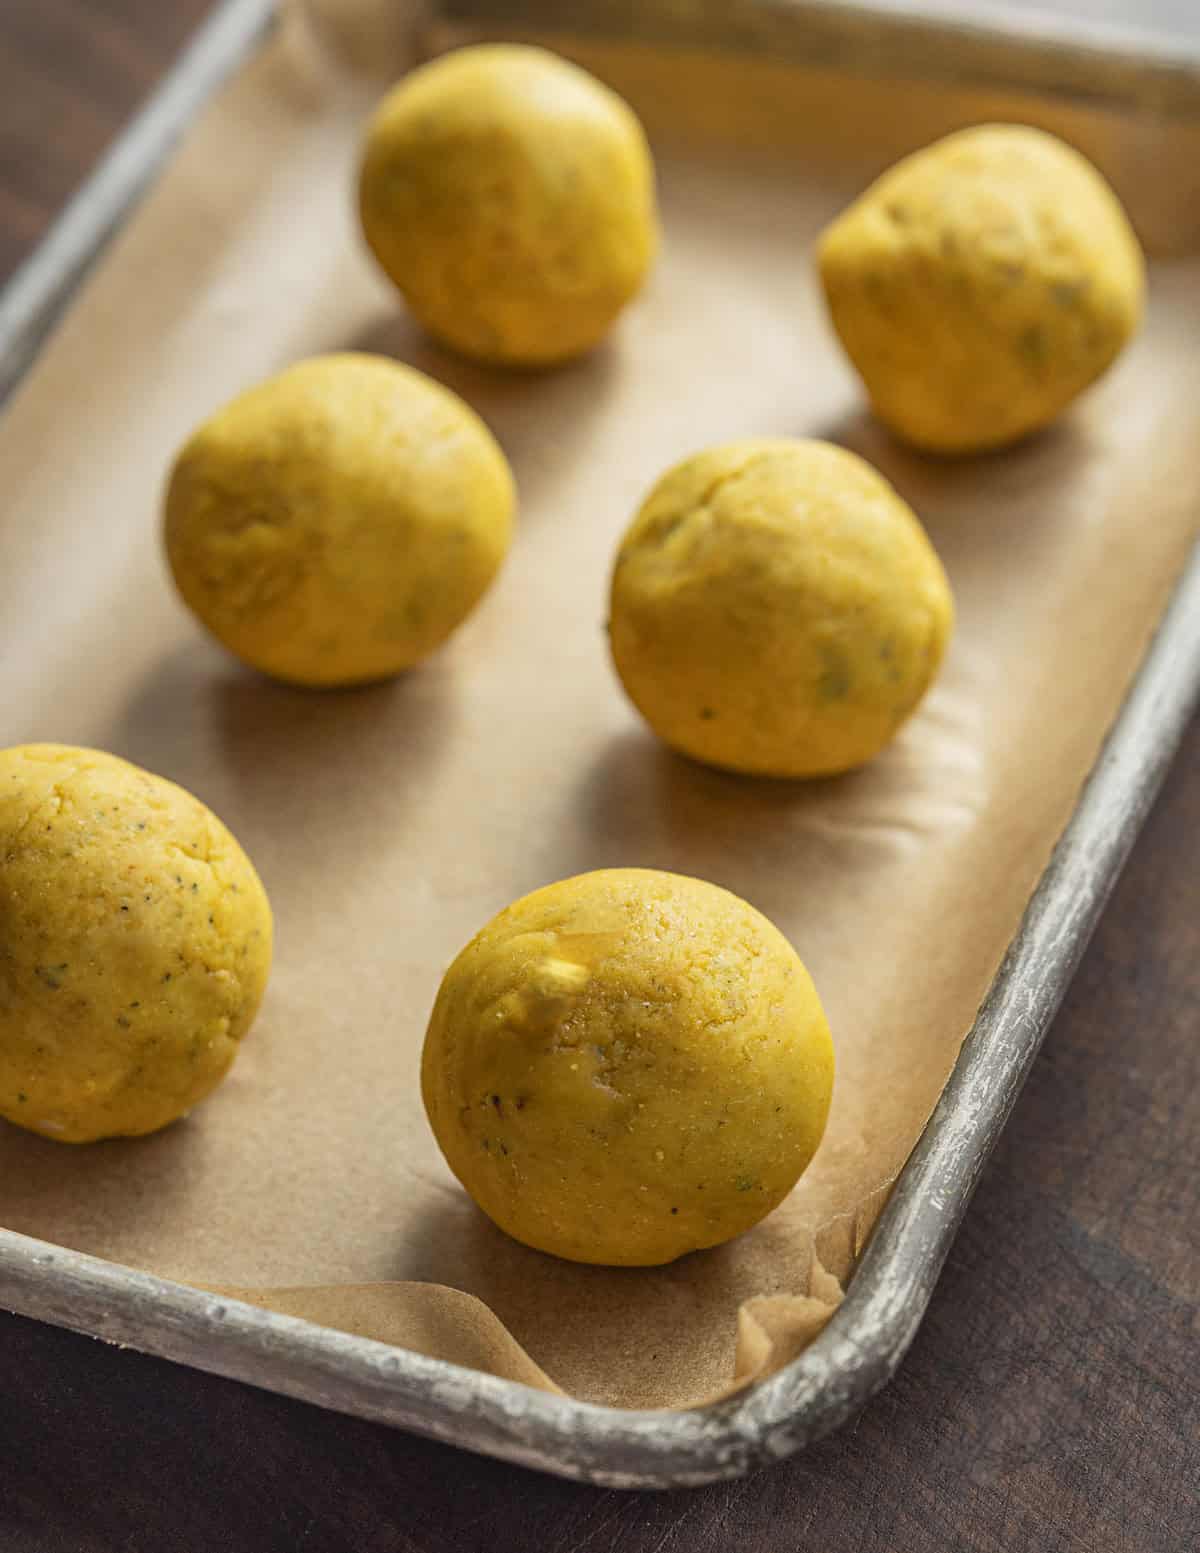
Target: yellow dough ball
[[627, 1066], [510, 197], [135, 943], [982, 284], [777, 609], [335, 524]]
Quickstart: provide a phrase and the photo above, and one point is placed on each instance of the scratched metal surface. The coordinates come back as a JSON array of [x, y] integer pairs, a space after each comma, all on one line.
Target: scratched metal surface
[[866, 1339]]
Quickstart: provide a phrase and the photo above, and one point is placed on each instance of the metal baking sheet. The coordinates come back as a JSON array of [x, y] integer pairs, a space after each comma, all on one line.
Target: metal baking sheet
[[865, 1340]]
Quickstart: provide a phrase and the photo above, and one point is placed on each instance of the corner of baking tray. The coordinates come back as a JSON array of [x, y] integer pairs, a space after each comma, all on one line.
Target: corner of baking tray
[[614, 1447]]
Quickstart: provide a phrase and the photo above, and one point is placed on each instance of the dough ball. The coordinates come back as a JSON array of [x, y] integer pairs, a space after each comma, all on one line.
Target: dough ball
[[777, 609], [135, 942], [510, 197], [627, 1066], [335, 524], [981, 284]]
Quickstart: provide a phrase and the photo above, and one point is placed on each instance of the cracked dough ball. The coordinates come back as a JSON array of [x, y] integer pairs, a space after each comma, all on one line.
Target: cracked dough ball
[[333, 525], [510, 197], [777, 609], [627, 1066], [981, 284], [135, 942]]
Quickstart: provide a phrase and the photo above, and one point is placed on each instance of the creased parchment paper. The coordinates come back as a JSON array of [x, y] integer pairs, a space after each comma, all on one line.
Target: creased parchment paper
[[390, 823]]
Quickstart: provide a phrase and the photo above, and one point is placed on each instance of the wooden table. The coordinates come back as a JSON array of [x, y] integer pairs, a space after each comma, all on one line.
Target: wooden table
[[1052, 1399]]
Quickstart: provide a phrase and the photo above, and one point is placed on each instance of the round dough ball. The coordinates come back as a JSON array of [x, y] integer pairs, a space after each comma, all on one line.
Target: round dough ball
[[335, 524], [777, 609], [627, 1066], [135, 943], [510, 197], [981, 284]]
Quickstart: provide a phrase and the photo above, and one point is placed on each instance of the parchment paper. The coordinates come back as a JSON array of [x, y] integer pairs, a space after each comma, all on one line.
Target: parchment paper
[[390, 823]]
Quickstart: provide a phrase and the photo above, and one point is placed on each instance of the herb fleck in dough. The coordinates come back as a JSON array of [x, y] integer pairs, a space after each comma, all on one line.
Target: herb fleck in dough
[[626, 1066], [135, 943]]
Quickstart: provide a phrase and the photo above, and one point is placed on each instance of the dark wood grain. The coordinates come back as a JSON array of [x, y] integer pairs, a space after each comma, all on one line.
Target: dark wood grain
[[71, 71], [1052, 1399]]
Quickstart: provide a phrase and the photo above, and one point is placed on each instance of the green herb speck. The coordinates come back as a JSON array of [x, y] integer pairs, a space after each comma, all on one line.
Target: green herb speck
[[1066, 293], [1033, 346], [834, 682]]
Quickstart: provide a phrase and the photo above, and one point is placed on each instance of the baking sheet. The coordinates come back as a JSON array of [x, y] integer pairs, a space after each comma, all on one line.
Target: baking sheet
[[390, 823]]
